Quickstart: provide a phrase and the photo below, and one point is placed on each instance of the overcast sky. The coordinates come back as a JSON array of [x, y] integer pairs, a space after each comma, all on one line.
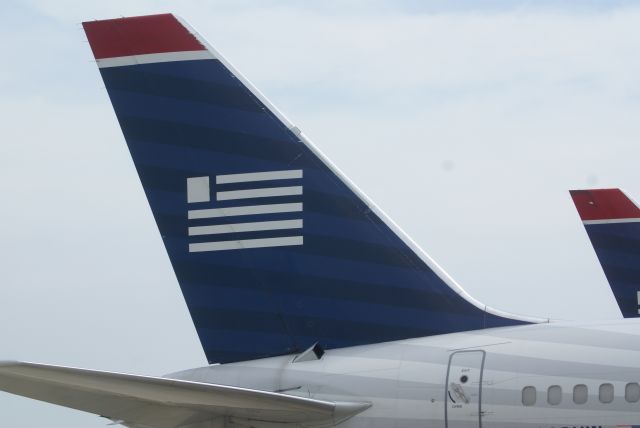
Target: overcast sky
[[466, 121]]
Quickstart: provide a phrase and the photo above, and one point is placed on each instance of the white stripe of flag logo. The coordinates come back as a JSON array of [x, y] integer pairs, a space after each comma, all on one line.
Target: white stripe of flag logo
[[199, 191]]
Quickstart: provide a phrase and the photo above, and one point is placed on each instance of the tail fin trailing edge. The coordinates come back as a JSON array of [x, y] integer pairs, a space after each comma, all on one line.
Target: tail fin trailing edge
[[370, 204]]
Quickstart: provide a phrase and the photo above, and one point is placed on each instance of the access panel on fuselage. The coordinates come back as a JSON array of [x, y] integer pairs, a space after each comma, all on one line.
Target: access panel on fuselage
[[463, 406]]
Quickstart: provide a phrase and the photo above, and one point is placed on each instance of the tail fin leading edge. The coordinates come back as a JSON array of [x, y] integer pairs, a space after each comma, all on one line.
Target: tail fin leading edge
[[273, 247], [612, 222]]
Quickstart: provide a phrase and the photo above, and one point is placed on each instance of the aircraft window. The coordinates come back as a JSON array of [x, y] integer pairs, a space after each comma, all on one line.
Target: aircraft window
[[554, 395], [580, 394], [632, 392], [606, 393], [529, 395]]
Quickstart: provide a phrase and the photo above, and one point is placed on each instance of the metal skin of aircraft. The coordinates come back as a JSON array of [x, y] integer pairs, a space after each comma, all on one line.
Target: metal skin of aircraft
[[313, 308]]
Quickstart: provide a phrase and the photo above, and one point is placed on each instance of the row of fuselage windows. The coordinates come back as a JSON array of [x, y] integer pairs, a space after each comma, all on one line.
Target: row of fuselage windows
[[606, 394]]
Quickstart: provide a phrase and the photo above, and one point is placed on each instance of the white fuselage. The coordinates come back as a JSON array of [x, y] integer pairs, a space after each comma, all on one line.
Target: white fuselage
[[468, 379]]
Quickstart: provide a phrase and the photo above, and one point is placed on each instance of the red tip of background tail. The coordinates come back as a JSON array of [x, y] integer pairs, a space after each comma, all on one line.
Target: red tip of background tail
[[604, 204], [139, 35]]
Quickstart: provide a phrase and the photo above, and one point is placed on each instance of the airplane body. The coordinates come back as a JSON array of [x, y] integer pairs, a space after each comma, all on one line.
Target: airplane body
[[417, 382], [403, 384], [313, 308]]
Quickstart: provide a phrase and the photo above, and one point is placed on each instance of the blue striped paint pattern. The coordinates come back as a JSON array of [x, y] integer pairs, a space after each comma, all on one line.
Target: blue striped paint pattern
[[617, 246], [352, 282]]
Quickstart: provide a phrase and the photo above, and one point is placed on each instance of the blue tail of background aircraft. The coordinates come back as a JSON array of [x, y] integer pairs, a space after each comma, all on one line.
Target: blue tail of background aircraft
[[612, 221], [273, 247]]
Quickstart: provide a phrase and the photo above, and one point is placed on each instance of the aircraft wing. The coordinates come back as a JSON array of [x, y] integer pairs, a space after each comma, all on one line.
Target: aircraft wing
[[160, 402]]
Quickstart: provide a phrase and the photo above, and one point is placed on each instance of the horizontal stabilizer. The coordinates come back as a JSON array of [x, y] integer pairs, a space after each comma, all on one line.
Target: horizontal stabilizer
[[161, 402], [612, 221]]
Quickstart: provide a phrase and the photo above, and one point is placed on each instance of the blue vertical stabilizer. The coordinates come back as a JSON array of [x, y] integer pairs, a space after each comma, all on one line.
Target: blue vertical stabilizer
[[274, 249]]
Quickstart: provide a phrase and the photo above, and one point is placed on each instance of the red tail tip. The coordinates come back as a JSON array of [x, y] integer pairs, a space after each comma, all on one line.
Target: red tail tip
[[139, 35], [603, 204]]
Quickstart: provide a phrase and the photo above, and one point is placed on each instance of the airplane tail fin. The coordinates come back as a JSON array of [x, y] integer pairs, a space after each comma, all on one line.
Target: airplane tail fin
[[612, 222], [273, 247]]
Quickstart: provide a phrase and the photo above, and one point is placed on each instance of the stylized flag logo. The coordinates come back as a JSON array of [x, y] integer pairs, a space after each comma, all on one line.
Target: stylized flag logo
[[199, 191]]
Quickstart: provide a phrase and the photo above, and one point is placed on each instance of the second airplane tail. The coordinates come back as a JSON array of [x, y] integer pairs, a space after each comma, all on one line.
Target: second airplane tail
[[612, 222]]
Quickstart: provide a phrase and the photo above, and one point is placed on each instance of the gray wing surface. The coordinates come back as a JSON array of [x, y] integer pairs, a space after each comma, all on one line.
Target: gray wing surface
[[161, 402]]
